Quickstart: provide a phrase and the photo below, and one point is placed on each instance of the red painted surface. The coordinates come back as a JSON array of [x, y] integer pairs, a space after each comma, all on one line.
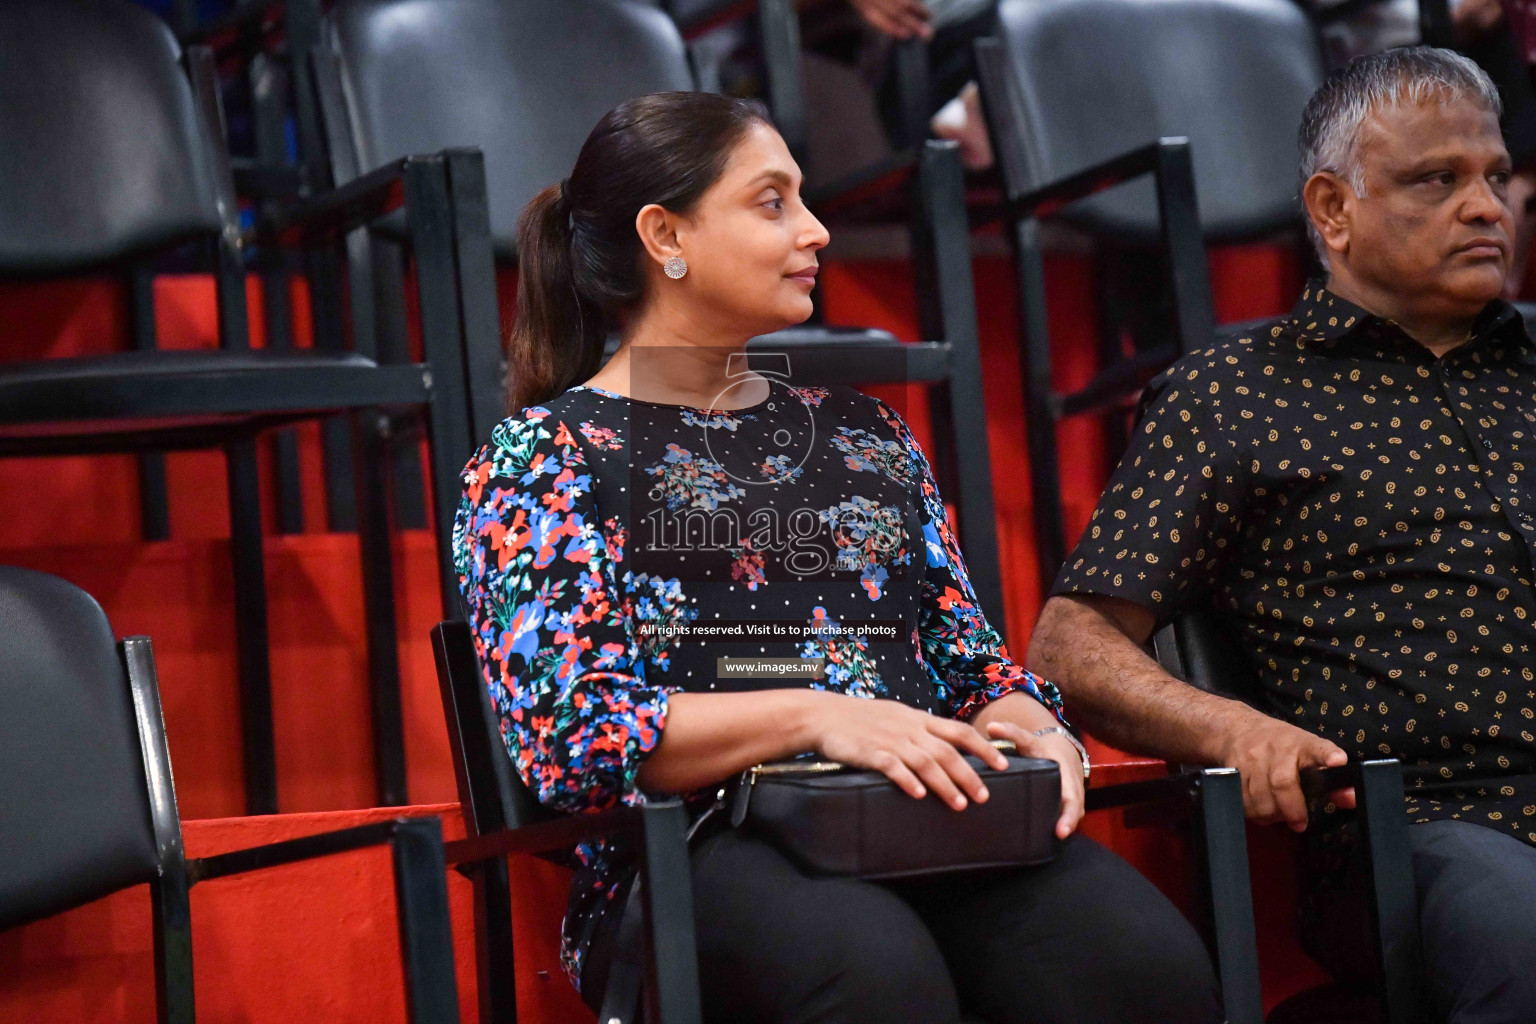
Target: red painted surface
[[317, 942]]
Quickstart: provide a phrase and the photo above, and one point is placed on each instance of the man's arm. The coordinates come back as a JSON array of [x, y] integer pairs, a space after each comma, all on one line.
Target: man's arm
[[1090, 646]]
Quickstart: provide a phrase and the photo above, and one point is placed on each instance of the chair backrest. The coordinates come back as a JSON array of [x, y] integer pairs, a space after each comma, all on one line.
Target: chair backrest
[[1095, 78], [524, 81], [75, 820], [1202, 650], [105, 154], [493, 796]]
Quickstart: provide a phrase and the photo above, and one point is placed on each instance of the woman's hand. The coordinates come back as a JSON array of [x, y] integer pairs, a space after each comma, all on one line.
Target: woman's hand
[[1054, 748], [1016, 716], [902, 19], [912, 748]]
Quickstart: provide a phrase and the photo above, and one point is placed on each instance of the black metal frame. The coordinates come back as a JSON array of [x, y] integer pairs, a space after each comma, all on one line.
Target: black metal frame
[[421, 892], [227, 398], [1211, 799], [503, 817], [1168, 161], [1384, 826], [268, 43]]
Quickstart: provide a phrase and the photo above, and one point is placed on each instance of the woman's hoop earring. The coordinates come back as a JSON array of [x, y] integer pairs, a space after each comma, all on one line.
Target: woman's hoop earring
[[675, 267]]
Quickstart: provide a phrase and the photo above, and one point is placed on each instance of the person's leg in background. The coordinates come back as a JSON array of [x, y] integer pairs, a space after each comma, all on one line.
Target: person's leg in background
[[1084, 939]]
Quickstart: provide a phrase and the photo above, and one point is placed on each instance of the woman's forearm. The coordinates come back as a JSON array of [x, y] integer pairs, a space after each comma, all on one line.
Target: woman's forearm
[[711, 736], [1019, 708]]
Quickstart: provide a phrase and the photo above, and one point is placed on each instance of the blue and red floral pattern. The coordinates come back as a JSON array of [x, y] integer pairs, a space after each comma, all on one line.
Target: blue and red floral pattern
[[570, 614]]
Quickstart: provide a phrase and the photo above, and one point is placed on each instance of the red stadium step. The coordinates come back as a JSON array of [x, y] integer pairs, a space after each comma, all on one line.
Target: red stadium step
[[310, 942]]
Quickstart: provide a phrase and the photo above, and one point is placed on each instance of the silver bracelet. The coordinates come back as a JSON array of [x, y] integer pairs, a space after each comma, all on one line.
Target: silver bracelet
[[1057, 730]]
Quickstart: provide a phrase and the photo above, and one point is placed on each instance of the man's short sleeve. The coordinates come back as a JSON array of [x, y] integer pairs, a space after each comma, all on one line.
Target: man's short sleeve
[[1170, 516]]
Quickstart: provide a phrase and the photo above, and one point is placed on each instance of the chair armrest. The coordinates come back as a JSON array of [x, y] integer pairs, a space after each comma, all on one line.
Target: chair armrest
[[1317, 782], [1128, 166], [1179, 786], [1216, 798], [289, 851], [421, 900], [544, 835], [1384, 828], [331, 215]]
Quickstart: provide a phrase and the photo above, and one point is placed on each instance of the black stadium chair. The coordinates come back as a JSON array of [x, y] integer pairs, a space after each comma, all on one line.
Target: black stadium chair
[[524, 81], [88, 808], [1078, 94], [502, 817], [1203, 651], [776, 30], [118, 167]]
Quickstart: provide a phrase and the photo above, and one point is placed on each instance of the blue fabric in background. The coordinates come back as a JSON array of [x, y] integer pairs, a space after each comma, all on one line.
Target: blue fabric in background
[[206, 9]]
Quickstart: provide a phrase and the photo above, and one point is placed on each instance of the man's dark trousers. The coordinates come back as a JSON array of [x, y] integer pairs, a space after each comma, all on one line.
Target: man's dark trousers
[[1477, 918]]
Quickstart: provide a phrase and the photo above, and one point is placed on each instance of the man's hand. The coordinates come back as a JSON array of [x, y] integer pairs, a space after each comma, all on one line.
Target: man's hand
[[1270, 754], [902, 19]]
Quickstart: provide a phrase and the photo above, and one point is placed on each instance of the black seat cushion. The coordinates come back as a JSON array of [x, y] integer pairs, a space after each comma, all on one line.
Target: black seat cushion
[[814, 334], [145, 393], [74, 808]]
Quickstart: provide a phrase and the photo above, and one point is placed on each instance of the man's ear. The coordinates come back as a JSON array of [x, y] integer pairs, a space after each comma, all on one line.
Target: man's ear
[[657, 227], [1330, 203]]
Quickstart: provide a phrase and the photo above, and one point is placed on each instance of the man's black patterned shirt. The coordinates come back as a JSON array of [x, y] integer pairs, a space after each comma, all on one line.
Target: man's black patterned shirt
[[1363, 513]]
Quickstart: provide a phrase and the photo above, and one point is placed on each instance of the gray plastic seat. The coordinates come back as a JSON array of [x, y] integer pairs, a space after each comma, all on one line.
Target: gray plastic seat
[[523, 81], [1071, 85], [1096, 78]]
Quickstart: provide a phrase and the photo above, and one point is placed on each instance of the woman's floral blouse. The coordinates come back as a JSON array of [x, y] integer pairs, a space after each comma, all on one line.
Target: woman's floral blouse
[[596, 531]]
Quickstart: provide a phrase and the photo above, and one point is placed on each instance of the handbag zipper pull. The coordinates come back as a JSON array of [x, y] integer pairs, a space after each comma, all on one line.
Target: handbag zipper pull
[[742, 796], [709, 812]]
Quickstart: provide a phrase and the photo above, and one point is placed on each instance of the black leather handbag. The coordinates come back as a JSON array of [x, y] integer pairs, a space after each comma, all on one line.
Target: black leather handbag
[[835, 820]]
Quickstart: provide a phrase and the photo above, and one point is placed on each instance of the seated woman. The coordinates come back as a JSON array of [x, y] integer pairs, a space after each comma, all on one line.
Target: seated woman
[[620, 507]]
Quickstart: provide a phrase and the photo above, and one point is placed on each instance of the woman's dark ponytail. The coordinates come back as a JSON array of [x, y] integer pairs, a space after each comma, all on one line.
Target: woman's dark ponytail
[[557, 339], [579, 255]]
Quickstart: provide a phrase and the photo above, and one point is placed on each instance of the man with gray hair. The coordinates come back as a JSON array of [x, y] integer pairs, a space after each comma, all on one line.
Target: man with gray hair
[[1352, 489]]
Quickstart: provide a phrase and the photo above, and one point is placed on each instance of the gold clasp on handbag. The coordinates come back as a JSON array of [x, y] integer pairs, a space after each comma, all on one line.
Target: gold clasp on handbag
[[744, 785]]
